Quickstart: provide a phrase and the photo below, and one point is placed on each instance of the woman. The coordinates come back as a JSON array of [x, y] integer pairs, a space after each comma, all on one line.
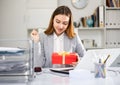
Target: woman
[[58, 37]]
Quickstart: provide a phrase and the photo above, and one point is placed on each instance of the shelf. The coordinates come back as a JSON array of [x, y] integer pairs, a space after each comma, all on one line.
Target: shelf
[[113, 28], [94, 48], [94, 37], [90, 28], [104, 37], [112, 8]]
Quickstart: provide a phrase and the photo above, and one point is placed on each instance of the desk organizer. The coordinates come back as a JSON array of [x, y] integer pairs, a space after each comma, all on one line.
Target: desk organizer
[[16, 61]]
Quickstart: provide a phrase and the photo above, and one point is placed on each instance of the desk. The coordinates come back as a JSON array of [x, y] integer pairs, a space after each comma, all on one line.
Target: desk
[[49, 78]]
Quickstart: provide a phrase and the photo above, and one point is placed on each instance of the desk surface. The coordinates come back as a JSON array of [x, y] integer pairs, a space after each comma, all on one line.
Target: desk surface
[[49, 78]]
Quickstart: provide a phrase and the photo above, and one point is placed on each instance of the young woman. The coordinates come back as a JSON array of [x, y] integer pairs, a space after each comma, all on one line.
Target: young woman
[[58, 37]]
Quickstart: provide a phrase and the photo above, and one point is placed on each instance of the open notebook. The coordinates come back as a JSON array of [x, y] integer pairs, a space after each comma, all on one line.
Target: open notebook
[[62, 70]]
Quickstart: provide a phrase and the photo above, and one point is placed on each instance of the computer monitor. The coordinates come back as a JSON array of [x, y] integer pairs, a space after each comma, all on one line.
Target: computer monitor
[[92, 56]]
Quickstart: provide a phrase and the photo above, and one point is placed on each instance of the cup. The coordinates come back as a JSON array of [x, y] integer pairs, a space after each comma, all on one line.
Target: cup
[[100, 71]]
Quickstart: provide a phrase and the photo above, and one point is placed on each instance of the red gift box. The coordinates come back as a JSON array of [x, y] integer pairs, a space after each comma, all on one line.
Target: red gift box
[[62, 58]]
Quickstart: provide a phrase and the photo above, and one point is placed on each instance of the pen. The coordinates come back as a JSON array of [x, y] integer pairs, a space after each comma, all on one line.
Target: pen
[[106, 59]]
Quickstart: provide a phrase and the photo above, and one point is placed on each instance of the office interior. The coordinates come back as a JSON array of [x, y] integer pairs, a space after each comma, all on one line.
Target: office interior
[[19, 17]]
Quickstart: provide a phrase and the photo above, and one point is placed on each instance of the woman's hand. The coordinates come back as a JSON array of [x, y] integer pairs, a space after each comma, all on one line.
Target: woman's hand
[[78, 60], [35, 35]]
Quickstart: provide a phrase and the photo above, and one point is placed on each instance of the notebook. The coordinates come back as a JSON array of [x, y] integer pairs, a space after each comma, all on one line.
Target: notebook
[[64, 70]]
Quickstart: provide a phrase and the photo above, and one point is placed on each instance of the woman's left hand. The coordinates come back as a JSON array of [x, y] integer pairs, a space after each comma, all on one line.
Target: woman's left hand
[[78, 60]]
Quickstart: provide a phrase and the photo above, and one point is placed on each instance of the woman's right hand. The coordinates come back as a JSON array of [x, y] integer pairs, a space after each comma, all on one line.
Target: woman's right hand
[[35, 35]]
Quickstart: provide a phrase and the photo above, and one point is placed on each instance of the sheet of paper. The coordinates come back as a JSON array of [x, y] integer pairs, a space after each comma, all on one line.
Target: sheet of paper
[[10, 49]]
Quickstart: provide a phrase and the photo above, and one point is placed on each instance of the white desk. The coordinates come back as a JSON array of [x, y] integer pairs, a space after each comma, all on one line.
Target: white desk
[[49, 78]]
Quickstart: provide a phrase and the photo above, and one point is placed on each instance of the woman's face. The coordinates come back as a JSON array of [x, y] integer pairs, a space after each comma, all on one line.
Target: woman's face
[[60, 23]]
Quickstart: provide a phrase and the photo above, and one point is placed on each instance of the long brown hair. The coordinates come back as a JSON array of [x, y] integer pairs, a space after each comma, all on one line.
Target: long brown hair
[[64, 10]]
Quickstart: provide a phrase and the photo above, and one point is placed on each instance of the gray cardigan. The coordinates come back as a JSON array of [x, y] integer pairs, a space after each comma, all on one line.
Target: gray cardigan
[[47, 43]]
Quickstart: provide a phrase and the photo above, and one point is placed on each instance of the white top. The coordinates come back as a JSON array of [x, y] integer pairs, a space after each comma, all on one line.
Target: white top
[[58, 43]]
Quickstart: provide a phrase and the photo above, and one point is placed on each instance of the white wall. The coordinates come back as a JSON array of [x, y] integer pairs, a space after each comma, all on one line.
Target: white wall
[[13, 20], [12, 23], [39, 12], [16, 16]]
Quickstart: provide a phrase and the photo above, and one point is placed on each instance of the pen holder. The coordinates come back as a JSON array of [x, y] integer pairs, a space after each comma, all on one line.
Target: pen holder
[[100, 71]]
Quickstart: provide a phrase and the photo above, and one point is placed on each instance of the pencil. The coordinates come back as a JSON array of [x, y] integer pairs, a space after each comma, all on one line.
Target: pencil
[[106, 59]]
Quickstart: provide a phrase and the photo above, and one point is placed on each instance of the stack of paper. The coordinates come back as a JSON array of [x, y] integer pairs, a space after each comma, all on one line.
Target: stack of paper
[[9, 51], [7, 67]]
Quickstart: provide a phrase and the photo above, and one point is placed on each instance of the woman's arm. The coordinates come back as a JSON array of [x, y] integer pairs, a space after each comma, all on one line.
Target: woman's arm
[[39, 58], [79, 47]]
